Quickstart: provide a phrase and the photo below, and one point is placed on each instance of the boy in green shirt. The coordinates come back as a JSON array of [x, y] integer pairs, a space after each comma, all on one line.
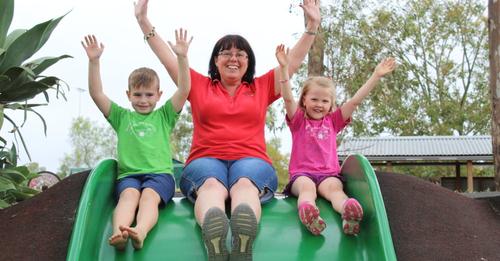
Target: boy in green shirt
[[145, 180]]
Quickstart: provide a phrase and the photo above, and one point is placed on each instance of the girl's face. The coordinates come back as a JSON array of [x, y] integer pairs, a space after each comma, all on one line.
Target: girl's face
[[232, 64], [317, 102]]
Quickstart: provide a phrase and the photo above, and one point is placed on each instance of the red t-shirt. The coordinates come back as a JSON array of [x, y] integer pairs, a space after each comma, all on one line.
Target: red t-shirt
[[226, 127]]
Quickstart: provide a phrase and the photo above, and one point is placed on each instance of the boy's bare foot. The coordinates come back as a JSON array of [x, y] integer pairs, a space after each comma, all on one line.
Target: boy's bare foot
[[135, 235], [119, 240]]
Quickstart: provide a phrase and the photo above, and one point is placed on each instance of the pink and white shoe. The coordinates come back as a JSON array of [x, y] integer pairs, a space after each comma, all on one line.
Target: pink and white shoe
[[309, 216], [352, 214]]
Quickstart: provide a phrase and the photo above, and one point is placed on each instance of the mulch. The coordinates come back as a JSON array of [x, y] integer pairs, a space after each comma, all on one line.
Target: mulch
[[427, 222]]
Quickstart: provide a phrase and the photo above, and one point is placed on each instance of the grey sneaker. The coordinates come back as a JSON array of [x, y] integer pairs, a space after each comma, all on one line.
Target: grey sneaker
[[214, 231], [244, 230]]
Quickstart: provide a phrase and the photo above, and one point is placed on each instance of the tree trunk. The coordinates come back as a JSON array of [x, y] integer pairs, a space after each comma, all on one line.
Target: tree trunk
[[315, 66], [316, 54], [494, 33]]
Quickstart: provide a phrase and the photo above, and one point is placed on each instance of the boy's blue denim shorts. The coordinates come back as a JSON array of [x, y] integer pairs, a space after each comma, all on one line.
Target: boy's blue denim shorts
[[227, 172], [161, 183]]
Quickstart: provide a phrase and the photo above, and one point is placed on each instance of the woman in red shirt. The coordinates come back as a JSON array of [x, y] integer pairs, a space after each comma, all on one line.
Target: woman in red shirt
[[228, 158]]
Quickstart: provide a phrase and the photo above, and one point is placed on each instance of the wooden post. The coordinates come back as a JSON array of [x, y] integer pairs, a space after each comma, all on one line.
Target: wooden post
[[470, 178], [494, 34], [389, 166], [458, 182]]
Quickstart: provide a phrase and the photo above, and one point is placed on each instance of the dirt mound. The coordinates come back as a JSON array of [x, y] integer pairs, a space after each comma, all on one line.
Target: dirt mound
[[427, 222]]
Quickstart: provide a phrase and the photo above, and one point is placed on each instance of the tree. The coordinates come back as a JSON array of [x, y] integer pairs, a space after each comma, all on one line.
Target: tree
[[20, 81], [280, 162], [182, 136], [440, 87], [494, 33], [90, 142]]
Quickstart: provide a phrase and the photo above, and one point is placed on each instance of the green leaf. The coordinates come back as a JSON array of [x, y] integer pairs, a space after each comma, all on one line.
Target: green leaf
[[6, 14], [39, 65], [27, 44], [4, 204], [16, 176], [24, 92], [6, 184], [12, 37], [20, 196]]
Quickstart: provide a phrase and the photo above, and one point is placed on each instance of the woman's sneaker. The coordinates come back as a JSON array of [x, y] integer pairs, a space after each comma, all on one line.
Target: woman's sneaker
[[244, 230], [352, 214], [214, 232], [309, 216]]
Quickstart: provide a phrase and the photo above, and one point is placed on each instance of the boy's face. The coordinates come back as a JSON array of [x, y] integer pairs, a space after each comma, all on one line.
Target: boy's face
[[144, 98]]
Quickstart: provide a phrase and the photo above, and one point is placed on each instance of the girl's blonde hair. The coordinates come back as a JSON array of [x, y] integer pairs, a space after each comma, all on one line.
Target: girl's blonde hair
[[319, 81]]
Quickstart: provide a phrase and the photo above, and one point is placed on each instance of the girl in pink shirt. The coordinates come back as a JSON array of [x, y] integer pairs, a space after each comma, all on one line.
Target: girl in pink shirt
[[314, 122]]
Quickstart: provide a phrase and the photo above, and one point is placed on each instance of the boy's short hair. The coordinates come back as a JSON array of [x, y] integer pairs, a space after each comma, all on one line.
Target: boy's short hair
[[143, 77]]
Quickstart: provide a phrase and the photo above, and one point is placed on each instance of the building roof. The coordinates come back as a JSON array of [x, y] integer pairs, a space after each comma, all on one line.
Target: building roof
[[419, 148]]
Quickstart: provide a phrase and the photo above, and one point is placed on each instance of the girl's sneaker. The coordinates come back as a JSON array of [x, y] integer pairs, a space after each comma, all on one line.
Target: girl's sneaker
[[309, 216], [352, 214]]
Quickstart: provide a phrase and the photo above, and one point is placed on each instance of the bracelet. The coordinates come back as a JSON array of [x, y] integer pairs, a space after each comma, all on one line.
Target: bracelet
[[311, 32], [150, 34], [283, 81]]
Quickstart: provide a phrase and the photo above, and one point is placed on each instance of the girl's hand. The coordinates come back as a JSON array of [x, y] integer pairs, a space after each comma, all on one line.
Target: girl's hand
[[386, 66], [281, 55], [181, 44], [92, 47]]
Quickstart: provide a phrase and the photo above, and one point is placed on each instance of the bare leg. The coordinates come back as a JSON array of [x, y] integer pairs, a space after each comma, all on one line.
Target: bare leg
[[124, 216], [210, 213], [244, 191], [305, 190], [147, 217], [211, 194], [332, 190]]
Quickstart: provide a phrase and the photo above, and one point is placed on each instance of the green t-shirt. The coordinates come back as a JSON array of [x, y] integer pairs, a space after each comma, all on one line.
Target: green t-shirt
[[143, 140]]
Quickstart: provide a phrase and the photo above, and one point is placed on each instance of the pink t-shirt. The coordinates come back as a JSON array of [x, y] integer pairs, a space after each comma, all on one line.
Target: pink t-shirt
[[314, 147], [230, 127]]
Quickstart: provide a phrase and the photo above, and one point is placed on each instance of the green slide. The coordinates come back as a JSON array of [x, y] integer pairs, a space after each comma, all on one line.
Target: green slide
[[281, 235]]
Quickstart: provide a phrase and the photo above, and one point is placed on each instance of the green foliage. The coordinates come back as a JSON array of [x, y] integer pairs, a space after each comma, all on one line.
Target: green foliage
[[182, 135], [90, 142], [280, 162], [13, 179], [20, 81], [440, 87]]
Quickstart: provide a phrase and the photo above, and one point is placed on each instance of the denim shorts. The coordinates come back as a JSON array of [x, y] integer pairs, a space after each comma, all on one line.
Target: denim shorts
[[227, 172], [317, 178], [161, 183]]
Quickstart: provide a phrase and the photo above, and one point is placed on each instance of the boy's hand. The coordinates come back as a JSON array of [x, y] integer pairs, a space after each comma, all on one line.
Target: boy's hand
[[181, 44], [281, 55], [385, 66], [92, 47]]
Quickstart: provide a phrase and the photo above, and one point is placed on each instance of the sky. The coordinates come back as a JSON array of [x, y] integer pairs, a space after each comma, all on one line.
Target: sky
[[264, 23]]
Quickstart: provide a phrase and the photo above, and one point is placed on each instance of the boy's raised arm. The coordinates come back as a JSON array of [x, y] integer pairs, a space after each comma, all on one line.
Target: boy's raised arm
[[284, 82], [385, 67], [159, 47], [184, 80], [94, 51]]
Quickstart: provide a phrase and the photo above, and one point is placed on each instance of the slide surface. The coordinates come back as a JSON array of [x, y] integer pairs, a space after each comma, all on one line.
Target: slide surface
[[281, 235]]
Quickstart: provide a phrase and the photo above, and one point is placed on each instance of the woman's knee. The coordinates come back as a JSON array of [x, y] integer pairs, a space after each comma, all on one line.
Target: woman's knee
[[244, 184], [213, 185]]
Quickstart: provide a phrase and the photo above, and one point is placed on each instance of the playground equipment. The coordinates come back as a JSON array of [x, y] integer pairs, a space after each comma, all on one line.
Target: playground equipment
[[280, 237]]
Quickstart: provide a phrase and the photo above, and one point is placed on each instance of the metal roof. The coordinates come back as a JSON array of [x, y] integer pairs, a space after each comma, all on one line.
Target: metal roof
[[416, 148]]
